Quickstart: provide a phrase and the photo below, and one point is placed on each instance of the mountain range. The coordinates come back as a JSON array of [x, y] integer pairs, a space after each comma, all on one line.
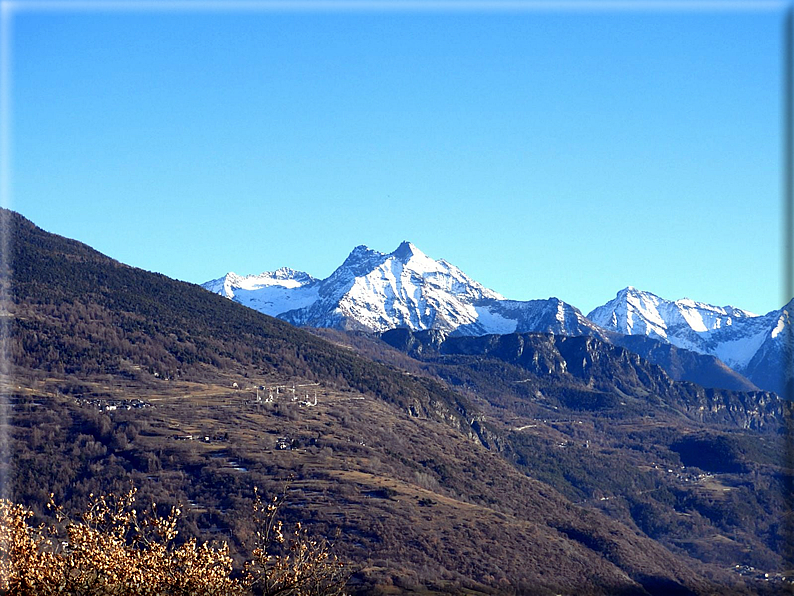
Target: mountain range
[[757, 347], [372, 291], [520, 463], [724, 347]]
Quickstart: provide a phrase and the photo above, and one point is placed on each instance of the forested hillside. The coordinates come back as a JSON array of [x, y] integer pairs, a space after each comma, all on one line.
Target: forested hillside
[[425, 479]]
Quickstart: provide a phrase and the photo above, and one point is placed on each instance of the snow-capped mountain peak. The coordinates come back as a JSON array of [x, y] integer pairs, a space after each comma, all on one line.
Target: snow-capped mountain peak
[[635, 312], [270, 292], [404, 288], [406, 251], [284, 277], [224, 285], [360, 260], [737, 337], [287, 274], [378, 291]]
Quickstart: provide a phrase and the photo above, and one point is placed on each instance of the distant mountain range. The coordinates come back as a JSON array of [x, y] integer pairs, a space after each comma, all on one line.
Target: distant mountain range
[[371, 291], [757, 347]]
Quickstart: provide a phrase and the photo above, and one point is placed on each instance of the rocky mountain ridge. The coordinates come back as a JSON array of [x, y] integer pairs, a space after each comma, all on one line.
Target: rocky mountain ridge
[[373, 291], [758, 347], [589, 364], [724, 347]]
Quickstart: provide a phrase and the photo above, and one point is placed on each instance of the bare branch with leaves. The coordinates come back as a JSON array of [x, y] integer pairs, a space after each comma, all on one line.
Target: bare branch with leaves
[[293, 564], [113, 550]]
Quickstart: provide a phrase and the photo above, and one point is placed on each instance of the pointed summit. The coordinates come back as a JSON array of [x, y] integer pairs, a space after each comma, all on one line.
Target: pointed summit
[[632, 292], [360, 251], [361, 259], [405, 251]]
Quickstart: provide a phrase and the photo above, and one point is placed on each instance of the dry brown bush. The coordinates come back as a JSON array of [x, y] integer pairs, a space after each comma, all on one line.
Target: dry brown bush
[[302, 566], [115, 550]]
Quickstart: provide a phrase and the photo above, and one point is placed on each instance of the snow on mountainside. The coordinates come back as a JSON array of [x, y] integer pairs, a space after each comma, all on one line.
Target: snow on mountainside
[[737, 337], [405, 288], [634, 312], [272, 292], [375, 291]]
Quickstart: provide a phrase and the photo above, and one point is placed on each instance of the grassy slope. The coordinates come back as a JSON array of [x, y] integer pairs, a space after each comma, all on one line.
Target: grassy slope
[[386, 458]]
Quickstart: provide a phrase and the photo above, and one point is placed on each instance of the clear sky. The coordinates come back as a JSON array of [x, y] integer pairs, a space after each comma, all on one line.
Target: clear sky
[[550, 152]]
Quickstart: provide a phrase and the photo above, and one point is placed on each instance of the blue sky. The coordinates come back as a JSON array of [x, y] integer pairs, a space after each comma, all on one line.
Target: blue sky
[[551, 152]]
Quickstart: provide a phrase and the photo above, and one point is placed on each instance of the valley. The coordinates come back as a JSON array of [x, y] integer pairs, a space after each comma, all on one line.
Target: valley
[[360, 470], [435, 465]]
